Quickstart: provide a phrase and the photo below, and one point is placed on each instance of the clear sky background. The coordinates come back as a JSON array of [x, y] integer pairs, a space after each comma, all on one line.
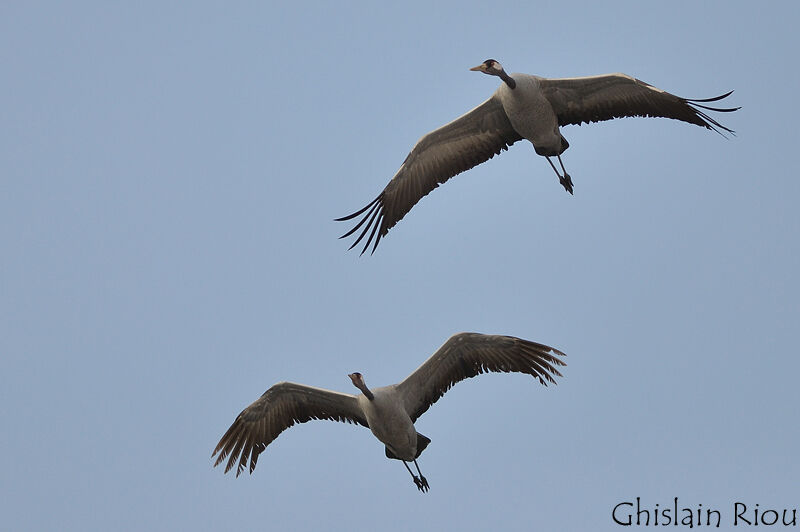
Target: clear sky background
[[169, 177]]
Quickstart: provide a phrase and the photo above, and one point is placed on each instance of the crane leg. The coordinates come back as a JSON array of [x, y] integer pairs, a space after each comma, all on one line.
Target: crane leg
[[422, 478], [565, 180], [419, 481]]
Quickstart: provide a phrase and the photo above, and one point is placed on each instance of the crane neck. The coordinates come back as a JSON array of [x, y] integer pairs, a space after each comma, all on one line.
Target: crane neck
[[508, 79], [368, 394], [363, 387]]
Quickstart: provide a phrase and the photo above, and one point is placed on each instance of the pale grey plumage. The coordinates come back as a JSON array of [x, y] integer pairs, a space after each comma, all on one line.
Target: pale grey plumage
[[390, 411], [524, 106]]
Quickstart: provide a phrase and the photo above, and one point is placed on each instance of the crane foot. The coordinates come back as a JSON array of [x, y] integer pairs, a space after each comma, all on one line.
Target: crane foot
[[421, 483], [566, 182]]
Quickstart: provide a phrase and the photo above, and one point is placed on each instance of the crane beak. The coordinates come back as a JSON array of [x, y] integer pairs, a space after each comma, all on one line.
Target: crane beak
[[479, 68]]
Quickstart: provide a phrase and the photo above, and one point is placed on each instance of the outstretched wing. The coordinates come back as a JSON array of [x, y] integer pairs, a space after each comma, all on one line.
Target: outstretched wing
[[465, 142], [597, 98], [279, 408], [466, 355]]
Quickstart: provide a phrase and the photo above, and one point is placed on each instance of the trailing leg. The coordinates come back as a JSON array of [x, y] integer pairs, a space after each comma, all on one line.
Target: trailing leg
[[422, 479], [422, 484], [565, 180]]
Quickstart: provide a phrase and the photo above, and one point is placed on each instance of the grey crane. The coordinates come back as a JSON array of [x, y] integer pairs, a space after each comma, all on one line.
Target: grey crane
[[390, 411], [524, 106]]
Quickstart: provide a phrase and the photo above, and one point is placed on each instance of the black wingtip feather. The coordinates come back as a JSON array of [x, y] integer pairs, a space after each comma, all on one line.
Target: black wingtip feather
[[710, 122], [351, 216], [372, 234], [359, 224], [372, 215], [714, 99], [378, 239], [371, 220], [718, 109]]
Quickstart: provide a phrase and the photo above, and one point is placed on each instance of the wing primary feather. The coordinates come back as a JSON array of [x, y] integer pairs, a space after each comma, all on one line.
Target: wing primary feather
[[351, 216], [364, 219], [717, 109], [373, 213], [378, 239], [711, 123], [375, 226], [714, 99], [246, 453]]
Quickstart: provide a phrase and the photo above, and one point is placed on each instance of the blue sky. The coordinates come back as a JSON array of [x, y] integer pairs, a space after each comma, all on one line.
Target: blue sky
[[169, 179]]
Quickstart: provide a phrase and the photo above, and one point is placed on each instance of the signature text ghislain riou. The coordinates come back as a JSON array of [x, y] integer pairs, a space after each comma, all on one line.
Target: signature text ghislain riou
[[634, 513]]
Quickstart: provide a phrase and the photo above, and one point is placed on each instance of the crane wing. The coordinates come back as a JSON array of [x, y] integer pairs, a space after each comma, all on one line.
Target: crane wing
[[466, 355], [460, 145], [279, 408], [597, 98]]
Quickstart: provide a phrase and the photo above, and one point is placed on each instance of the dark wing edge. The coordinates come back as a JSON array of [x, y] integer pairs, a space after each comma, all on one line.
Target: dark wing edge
[[609, 96], [466, 355], [464, 143], [276, 410]]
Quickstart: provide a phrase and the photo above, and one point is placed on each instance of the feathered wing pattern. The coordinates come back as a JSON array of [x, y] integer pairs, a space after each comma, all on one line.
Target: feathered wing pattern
[[598, 98], [276, 410], [460, 145], [466, 355]]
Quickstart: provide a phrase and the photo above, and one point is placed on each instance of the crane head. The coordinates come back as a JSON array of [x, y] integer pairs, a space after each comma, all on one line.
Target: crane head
[[358, 380], [490, 66]]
